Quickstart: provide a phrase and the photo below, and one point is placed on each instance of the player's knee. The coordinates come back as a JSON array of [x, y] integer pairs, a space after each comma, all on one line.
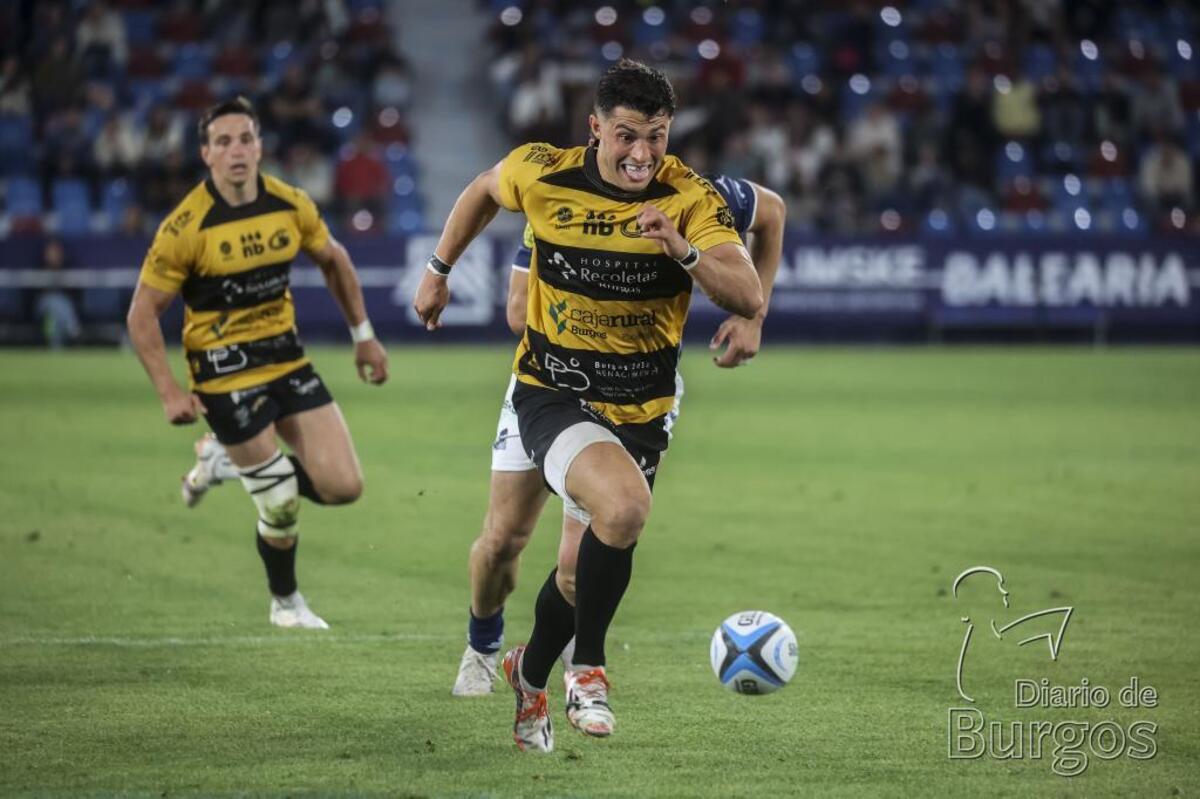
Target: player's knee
[[500, 543], [620, 522], [276, 494], [342, 490]]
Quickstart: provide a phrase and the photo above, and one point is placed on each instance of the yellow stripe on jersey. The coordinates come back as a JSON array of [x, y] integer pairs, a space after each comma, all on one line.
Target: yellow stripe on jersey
[[622, 327], [635, 414]]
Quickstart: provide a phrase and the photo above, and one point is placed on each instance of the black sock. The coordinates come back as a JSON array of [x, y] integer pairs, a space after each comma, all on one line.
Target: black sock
[[304, 482], [553, 626], [281, 567], [601, 577]]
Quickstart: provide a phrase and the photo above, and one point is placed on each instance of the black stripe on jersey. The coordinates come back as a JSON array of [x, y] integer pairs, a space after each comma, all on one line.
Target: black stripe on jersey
[[577, 179], [601, 376], [237, 290], [222, 212], [610, 275], [587, 178], [223, 361]]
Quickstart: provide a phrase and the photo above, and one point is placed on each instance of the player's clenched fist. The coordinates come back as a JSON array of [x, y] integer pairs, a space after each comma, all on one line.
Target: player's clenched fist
[[432, 297], [181, 407], [658, 226]]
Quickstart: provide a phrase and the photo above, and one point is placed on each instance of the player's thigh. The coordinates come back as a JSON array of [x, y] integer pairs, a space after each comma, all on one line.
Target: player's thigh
[[243, 421], [604, 479], [321, 439], [255, 450]]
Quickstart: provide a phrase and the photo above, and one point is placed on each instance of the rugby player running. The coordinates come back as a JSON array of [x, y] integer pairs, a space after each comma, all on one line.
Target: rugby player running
[[517, 494], [621, 231], [228, 249]]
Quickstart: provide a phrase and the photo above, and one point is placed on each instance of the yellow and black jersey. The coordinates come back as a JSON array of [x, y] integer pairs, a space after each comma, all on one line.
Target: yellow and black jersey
[[606, 306], [232, 266]]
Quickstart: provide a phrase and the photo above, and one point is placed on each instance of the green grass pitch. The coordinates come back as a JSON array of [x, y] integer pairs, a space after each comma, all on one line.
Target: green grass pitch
[[840, 489]]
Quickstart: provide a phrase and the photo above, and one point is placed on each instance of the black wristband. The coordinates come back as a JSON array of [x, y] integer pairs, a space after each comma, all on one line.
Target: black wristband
[[438, 266], [691, 259]]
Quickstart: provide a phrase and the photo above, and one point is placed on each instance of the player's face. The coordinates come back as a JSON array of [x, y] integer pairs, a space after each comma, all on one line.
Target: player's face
[[631, 146], [233, 150]]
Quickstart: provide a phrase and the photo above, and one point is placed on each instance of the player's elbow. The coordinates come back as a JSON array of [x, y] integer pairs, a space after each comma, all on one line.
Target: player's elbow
[[774, 207], [514, 314], [750, 301], [516, 320], [139, 314]]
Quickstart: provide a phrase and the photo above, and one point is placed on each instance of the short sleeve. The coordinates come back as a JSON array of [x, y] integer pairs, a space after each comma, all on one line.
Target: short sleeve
[[520, 169], [710, 222], [168, 262], [314, 234]]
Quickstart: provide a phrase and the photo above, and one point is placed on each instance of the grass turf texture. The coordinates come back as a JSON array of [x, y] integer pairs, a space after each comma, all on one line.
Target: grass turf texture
[[842, 490]]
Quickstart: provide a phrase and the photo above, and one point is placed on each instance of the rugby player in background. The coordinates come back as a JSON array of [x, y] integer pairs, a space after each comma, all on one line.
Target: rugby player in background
[[228, 249]]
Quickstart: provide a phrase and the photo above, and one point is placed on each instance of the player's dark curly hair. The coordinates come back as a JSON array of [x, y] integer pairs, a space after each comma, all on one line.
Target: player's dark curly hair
[[637, 87], [238, 105]]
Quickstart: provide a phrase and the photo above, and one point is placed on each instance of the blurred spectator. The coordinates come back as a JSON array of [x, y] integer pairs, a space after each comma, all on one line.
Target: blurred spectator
[[393, 84], [813, 143], [117, 149], [874, 143], [535, 112], [1064, 112], [1156, 105], [66, 146], [362, 179], [768, 140], [54, 306], [736, 160], [1165, 178], [57, 80], [1015, 108], [100, 38], [837, 206], [165, 184], [929, 182], [15, 91], [971, 136], [295, 110], [312, 172], [162, 135], [1112, 114]]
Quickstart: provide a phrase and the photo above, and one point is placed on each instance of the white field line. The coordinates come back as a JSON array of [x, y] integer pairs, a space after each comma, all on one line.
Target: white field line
[[297, 637], [301, 637]]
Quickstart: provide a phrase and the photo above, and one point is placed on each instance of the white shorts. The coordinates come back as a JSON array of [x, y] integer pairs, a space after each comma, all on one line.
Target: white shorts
[[508, 451]]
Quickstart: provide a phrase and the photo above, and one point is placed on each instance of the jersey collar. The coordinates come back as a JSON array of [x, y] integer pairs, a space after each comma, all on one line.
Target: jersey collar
[[591, 170]]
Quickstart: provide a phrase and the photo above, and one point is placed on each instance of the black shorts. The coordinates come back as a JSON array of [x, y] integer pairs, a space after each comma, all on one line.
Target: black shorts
[[240, 415], [542, 414]]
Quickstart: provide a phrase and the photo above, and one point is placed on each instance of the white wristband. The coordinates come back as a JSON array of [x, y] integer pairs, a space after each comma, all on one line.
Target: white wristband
[[362, 331]]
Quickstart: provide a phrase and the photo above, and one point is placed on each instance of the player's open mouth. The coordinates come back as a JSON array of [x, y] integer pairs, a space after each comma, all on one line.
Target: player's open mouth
[[636, 172]]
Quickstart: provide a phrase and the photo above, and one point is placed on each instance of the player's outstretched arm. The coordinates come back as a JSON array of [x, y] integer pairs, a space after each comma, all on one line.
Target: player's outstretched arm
[[724, 272], [149, 303], [338, 270], [742, 338], [472, 212]]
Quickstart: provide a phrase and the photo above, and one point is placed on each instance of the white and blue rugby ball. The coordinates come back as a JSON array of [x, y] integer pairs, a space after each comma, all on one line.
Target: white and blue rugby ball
[[754, 652]]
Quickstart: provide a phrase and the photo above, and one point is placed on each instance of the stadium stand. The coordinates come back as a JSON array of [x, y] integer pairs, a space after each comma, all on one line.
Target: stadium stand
[[97, 100], [926, 112]]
